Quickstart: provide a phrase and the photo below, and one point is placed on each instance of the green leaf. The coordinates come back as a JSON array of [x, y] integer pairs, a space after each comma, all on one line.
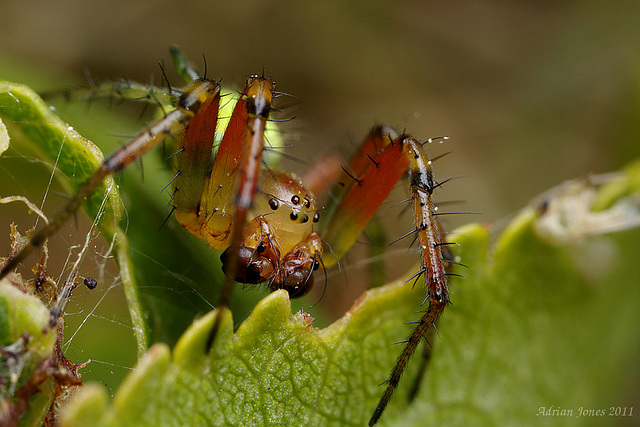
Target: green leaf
[[31, 124], [4, 138], [23, 316], [546, 318], [21, 313], [26, 114]]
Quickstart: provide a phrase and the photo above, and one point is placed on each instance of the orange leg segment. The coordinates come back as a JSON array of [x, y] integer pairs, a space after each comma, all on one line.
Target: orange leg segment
[[373, 172], [433, 260]]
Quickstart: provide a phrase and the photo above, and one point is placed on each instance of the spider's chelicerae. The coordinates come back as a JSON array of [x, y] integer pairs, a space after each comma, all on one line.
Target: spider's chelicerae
[[269, 224]]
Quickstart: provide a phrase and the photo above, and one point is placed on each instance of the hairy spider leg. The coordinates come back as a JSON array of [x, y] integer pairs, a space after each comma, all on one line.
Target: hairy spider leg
[[211, 206], [433, 261], [372, 173], [216, 207], [185, 70], [447, 260], [121, 89], [188, 106], [258, 97], [133, 91], [432, 314]]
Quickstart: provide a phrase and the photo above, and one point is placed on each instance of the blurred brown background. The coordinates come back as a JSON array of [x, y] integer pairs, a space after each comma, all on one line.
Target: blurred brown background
[[531, 94]]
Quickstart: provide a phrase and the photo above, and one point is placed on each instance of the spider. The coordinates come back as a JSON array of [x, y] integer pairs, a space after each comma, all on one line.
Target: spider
[[268, 224]]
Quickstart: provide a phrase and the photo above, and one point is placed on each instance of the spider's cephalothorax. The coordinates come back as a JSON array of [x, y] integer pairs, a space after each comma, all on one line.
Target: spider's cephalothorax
[[277, 244]]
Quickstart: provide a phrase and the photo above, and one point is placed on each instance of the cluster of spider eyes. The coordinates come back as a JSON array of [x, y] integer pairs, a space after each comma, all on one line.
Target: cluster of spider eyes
[[275, 204]]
